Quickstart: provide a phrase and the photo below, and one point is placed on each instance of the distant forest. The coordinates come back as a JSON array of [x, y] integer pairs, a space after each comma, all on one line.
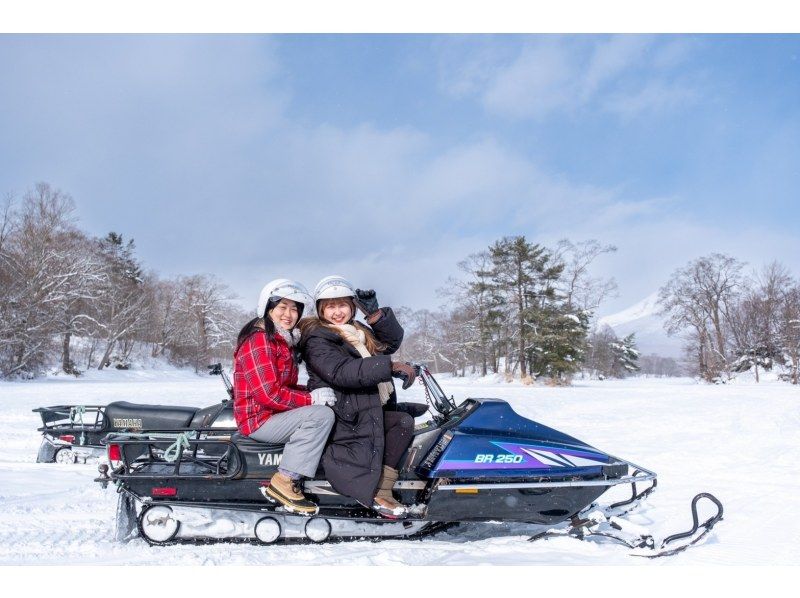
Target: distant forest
[[517, 308]]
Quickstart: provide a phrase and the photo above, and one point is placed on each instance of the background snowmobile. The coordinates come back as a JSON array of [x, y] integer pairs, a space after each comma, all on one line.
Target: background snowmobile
[[74, 432], [477, 461]]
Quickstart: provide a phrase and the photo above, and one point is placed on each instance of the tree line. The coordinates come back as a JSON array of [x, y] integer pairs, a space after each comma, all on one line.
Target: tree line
[[59, 285], [517, 308]]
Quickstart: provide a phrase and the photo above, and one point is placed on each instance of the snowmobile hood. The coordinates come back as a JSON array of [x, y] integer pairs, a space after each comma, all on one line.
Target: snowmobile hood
[[492, 440]]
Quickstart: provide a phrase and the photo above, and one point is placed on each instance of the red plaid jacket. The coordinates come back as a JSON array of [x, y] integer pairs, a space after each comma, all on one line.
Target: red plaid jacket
[[264, 381]]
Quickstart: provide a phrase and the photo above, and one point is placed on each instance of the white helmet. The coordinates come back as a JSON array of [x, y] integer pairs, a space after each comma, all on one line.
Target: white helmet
[[283, 288], [333, 287]]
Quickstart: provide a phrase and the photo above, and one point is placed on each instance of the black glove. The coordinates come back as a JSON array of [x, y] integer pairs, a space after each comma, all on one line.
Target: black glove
[[367, 301], [413, 409], [404, 372]]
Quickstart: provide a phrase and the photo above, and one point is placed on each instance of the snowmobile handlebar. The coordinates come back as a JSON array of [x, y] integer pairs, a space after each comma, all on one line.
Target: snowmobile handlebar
[[215, 369], [433, 392]]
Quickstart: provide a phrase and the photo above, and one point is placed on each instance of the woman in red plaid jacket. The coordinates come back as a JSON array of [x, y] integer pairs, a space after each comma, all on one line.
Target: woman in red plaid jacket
[[268, 404]]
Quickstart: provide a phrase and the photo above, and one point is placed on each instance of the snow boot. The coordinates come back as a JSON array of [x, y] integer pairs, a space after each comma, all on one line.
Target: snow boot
[[286, 491], [384, 502]]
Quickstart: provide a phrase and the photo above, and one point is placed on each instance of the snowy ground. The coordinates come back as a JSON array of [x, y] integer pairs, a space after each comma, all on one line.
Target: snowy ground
[[739, 442]]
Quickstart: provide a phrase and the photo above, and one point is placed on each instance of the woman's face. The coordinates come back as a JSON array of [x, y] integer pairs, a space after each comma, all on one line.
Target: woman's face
[[337, 311], [285, 314]]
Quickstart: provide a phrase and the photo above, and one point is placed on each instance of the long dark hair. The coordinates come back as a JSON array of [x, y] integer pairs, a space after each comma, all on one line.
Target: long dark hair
[[250, 329]]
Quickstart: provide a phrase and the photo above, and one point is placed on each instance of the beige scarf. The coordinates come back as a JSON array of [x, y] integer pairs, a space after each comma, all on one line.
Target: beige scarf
[[357, 338]]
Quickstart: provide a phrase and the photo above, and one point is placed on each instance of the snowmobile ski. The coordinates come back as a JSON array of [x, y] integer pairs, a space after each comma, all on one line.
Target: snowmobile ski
[[598, 523]]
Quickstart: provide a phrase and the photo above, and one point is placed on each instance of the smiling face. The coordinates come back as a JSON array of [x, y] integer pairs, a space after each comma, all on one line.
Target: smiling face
[[336, 311], [285, 314]]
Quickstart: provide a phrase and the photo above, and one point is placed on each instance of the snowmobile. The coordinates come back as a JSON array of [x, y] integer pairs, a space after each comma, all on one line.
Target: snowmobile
[[74, 432], [476, 461]]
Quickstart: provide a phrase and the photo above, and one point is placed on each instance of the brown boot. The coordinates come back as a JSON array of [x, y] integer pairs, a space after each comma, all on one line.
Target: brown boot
[[384, 502], [286, 491]]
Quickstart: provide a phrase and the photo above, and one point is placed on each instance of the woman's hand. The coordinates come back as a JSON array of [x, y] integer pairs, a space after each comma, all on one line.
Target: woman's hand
[[367, 301], [405, 372], [323, 396]]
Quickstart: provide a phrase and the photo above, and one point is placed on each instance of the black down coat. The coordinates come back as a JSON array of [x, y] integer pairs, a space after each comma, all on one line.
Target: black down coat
[[353, 459]]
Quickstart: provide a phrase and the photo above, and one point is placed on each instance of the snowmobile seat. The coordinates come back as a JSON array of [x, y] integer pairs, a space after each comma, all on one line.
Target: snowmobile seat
[[257, 458], [121, 415], [251, 445]]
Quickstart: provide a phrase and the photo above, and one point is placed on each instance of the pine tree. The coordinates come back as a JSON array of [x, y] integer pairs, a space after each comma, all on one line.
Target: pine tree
[[525, 274], [626, 357], [561, 344]]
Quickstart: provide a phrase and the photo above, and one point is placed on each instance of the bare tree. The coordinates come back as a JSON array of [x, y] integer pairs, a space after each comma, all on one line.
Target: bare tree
[[580, 289], [700, 297], [7, 219], [207, 320], [477, 295], [422, 340], [789, 331], [38, 272], [163, 324], [600, 357], [84, 277]]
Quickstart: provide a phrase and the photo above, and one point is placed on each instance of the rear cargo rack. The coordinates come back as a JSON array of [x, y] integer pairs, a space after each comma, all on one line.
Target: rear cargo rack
[[197, 455], [65, 419]]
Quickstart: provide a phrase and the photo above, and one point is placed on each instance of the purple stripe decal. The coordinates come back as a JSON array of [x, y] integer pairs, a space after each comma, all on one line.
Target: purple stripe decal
[[516, 449], [455, 464], [524, 459]]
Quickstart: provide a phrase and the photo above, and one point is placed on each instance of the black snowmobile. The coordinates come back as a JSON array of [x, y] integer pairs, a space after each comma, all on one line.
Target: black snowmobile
[[477, 461], [75, 432]]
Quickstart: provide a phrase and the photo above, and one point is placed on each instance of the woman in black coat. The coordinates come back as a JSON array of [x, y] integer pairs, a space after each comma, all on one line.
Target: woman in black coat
[[350, 365]]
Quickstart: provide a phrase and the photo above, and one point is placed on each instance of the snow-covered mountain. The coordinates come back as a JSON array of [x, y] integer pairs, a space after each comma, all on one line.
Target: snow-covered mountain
[[643, 319]]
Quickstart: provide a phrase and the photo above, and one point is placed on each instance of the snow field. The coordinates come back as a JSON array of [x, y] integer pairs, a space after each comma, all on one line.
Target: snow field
[[739, 442]]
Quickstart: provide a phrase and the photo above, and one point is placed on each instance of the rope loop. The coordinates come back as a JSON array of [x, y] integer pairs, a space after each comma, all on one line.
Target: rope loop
[[176, 448]]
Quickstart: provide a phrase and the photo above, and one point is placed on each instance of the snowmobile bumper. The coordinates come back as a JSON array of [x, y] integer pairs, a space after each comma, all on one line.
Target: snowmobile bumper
[[639, 474], [542, 501]]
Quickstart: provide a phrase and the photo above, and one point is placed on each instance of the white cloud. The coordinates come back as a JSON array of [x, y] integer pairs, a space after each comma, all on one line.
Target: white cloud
[[539, 81], [551, 74], [657, 95], [675, 52], [611, 59]]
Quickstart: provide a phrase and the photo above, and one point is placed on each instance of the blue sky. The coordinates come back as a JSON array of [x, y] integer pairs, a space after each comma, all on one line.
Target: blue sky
[[390, 158]]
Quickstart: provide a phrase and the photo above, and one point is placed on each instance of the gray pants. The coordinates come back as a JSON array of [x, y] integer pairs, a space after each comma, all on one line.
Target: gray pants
[[304, 430]]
